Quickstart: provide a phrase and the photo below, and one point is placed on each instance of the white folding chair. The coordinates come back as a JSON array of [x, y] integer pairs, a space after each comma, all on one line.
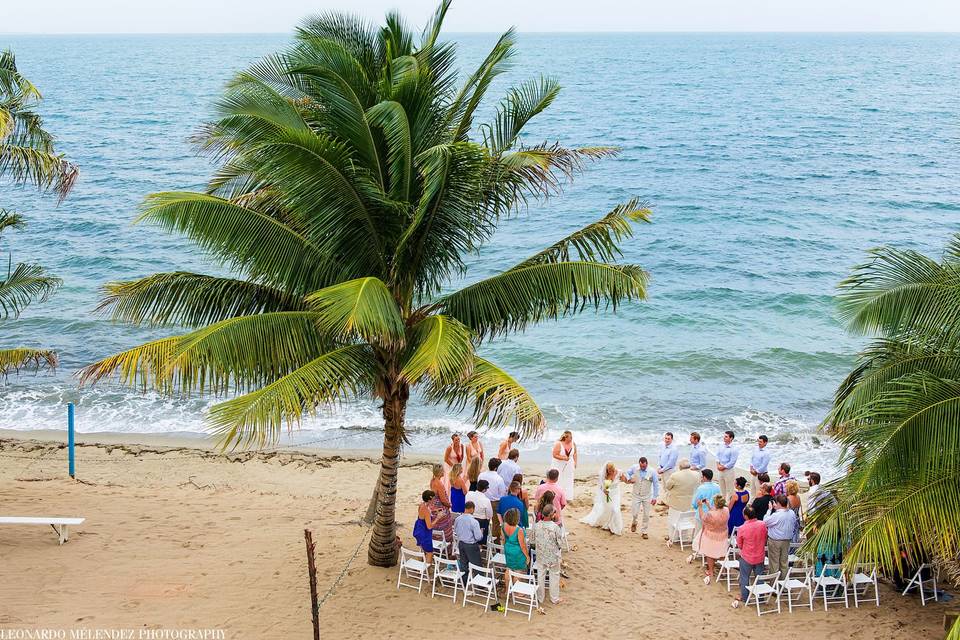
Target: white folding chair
[[682, 530], [918, 582], [496, 560], [794, 553], [799, 579], [832, 581], [765, 588], [446, 576], [728, 566], [521, 594], [481, 587], [440, 545], [733, 537], [413, 567], [864, 577]]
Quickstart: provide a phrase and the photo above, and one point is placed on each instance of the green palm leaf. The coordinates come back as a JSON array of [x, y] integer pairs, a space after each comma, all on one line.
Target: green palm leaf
[[27, 283], [20, 358], [441, 349], [362, 308]]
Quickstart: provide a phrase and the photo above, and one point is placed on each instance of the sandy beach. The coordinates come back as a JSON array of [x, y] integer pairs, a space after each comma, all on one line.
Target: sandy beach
[[179, 536]]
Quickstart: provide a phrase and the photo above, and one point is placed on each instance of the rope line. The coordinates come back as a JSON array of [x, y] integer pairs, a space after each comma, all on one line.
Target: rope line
[[346, 567]]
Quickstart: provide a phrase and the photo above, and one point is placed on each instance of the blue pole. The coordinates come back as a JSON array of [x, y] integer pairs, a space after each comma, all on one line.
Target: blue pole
[[70, 439]]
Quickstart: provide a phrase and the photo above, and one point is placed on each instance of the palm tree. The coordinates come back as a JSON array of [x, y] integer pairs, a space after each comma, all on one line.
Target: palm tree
[[897, 415], [352, 185], [27, 157]]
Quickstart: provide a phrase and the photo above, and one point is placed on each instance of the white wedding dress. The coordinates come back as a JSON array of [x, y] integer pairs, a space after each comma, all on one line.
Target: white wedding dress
[[606, 512]]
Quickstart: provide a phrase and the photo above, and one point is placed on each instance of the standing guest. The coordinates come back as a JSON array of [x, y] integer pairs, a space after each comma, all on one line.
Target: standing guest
[[458, 488], [507, 444], [469, 536], [495, 490], [714, 539], [669, 452], [564, 460], [423, 528], [813, 494], [726, 462], [780, 486], [680, 489], [515, 550], [761, 504], [698, 453], [764, 477], [646, 488], [752, 542], [474, 448], [559, 499], [781, 526], [706, 491], [455, 453], [473, 473], [546, 498], [440, 505], [738, 500], [524, 496], [793, 501], [511, 501], [483, 510], [759, 461], [547, 537], [509, 467]]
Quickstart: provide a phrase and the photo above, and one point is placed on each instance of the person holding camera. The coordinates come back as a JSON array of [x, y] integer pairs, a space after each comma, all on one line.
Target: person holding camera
[[781, 525]]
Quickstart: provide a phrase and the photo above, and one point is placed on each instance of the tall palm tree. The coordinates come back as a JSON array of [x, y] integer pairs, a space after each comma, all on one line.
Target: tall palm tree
[[27, 157], [897, 415], [352, 186]]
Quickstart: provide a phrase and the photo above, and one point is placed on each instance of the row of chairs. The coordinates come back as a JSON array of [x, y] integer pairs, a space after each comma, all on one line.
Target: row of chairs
[[479, 588]]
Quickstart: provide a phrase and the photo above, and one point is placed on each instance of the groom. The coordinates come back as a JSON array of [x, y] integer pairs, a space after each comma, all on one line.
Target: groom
[[646, 488]]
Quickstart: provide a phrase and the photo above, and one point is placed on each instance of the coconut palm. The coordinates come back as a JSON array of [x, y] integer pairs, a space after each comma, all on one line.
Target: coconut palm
[[352, 185], [896, 415], [27, 157]]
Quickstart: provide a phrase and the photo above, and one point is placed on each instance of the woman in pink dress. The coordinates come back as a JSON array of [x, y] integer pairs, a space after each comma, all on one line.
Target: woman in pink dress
[[475, 449], [713, 541]]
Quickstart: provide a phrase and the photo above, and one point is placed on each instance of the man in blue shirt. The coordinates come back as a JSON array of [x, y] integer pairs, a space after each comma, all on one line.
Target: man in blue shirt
[[668, 458], [646, 488], [759, 461], [726, 462], [782, 527], [698, 453], [467, 530], [510, 501], [705, 492]]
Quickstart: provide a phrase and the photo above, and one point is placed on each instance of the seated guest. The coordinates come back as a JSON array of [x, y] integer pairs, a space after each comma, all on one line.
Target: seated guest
[[559, 499], [423, 528], [511, 501], [780, 486], [495, 490], [548, 537], [469, 536], [752, 542], [781, 527], [483, 510], [762, 502]]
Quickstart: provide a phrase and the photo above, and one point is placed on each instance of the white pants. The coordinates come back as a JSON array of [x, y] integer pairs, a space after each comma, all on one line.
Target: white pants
[[754, 486], [641, 505], [726, 481], [551, 572]]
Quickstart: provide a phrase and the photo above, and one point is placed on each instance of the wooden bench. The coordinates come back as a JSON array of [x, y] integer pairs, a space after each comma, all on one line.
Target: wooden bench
[[59, 524]]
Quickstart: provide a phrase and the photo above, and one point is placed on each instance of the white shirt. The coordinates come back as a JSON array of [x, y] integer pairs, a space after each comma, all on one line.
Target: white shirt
[[483, 508], [497, 489], [507, 469]]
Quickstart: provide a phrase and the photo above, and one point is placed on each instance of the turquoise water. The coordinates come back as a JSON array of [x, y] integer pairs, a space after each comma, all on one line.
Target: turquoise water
[[772, 163]]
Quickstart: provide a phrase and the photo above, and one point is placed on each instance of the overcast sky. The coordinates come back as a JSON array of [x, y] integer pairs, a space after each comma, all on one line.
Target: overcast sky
[[277, 16]]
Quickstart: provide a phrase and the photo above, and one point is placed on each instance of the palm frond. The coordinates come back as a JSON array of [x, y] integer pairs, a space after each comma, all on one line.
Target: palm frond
[[392, 120], [440, 348], [144, 366], [470, 96], [362, 308], [24, 358], [27, 283], [520, 106], [11, 220], [42, 169]]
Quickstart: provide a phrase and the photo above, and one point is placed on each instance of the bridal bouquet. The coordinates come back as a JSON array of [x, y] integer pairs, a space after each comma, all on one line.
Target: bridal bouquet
[[606, 488]]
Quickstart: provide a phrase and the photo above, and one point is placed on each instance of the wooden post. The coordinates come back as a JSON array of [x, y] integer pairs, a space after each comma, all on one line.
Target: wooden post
[[312, 572]]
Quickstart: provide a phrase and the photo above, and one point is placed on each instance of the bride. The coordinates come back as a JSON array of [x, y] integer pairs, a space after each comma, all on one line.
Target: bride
[[606, 502]]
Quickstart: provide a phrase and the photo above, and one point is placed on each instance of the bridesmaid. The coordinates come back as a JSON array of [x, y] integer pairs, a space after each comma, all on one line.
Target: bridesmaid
[[423, 529], [475, 449], [565, 461], [458, 488], [454, 454]]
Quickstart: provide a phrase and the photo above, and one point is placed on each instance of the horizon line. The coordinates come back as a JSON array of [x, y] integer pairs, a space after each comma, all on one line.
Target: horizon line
[[494, 33]]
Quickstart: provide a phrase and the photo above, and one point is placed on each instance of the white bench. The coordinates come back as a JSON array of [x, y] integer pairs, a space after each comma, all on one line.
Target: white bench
[[59, 524]]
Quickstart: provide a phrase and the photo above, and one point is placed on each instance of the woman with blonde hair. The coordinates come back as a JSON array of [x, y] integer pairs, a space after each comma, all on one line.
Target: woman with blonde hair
[[606, 512], [458, 488], [792, 487], [564, 460], [440, 504], [473, 473], [713, 540]]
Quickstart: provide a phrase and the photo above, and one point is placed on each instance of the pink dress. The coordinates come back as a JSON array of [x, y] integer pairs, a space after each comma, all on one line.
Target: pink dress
[[713, 541]]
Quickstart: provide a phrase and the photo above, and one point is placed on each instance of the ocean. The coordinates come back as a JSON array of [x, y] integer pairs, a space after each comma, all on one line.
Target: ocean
[[771, 162]]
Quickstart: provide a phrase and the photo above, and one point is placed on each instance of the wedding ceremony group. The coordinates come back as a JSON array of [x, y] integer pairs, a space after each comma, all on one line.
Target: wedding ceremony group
[[387, 318]]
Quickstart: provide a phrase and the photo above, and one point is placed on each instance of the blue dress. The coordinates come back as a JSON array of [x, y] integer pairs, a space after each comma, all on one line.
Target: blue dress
[[736, 511], [423, 535], [457, 499]]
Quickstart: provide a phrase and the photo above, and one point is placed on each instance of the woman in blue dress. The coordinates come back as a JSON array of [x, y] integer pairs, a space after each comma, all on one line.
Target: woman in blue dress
[[458, 489], [738, 501], [423, 529]]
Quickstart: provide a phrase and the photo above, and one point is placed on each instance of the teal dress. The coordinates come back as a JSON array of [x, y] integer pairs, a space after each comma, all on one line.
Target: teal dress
[[513, 553]]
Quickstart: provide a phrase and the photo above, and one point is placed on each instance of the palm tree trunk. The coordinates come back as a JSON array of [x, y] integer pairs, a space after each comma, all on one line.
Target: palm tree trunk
[[383, 550]]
